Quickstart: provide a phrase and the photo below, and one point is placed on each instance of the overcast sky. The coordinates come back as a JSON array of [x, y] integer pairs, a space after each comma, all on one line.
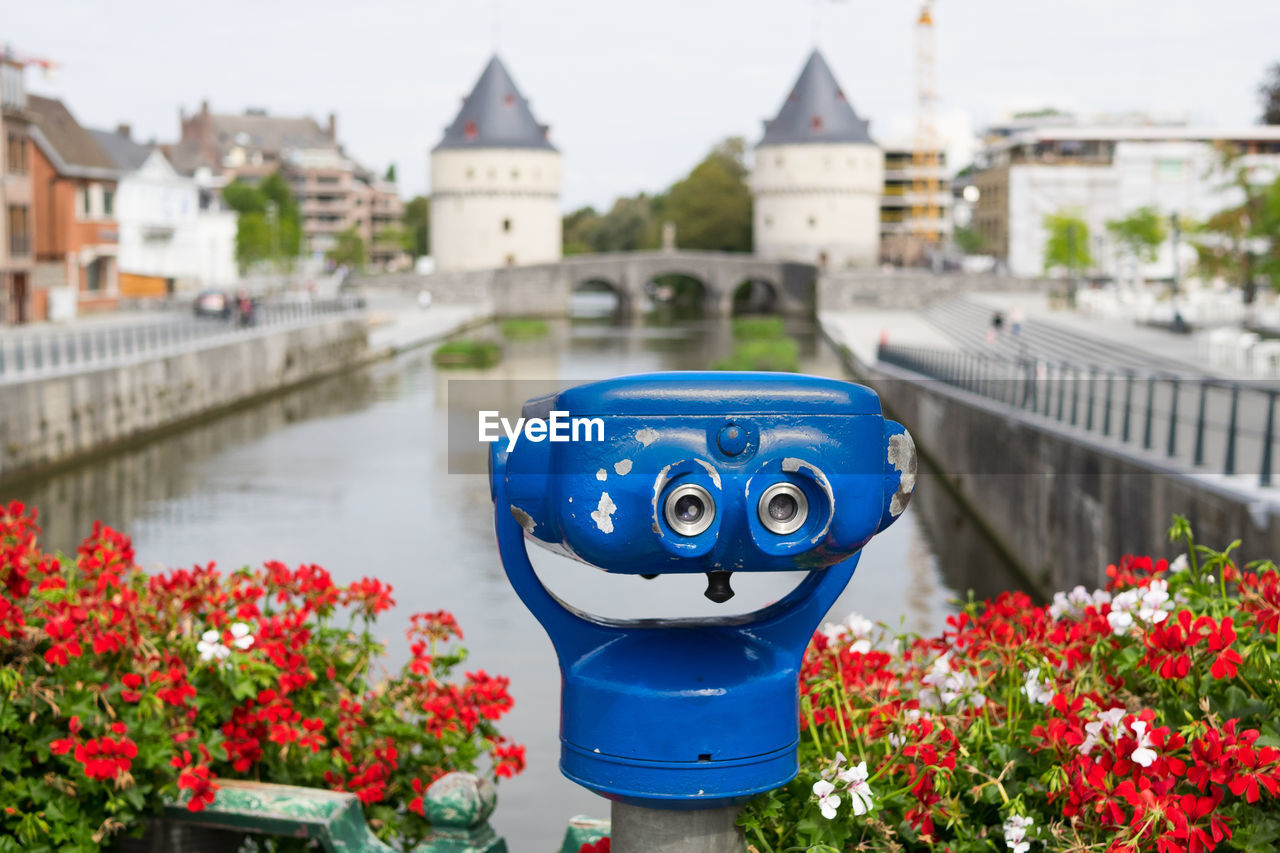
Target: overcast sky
[[635, 92]]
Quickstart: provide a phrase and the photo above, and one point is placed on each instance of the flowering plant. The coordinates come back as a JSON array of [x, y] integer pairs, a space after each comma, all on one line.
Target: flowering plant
[[1143, 716], [120, 689]]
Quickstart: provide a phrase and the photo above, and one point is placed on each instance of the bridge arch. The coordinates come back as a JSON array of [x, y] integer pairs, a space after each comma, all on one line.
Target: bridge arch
[[679, 288], [599, 296], [755, 294]]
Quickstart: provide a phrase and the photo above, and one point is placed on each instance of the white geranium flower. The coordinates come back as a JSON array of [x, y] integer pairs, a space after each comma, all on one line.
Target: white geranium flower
[[1073, 604], [1179, 564], [1155, 605], [1037, 690], [242, 639], [1109, 723], [860, 796], [828, 801], [1144, 754], [1015, 833], [210, 647]]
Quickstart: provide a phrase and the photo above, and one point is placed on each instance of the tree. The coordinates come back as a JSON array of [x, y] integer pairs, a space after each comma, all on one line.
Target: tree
[[712, 206], [1068, 243], [417, 226], [577, 229], [969, 240], [349, 250], [1241, 242], [1140, 234], [390, 177], [1269, 94], [268, 226]]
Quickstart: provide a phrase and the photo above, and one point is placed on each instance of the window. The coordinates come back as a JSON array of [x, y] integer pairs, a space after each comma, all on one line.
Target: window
[[506, 226], [515, 174], [768, 222], [96, 274], [82, 202], [19, 235], [813, 221], [471, 173], [16, 154], [108, 202], [511, 260]]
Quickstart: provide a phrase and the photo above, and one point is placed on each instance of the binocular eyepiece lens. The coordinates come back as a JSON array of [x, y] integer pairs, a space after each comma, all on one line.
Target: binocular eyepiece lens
[[689, 509], [783, 508]]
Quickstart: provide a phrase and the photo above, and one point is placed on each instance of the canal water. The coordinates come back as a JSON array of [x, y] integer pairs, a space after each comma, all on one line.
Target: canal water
[[352, 474]]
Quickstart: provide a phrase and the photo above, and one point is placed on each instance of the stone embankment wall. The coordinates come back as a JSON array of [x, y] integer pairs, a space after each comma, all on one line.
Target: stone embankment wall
[[1061, 503], [54, 418]]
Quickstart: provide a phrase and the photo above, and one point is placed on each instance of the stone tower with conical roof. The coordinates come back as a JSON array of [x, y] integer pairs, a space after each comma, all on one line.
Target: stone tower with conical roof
[[817, 177], [495, 182]]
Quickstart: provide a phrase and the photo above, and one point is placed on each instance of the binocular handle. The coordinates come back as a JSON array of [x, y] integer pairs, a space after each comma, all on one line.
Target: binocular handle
[[787, 624]]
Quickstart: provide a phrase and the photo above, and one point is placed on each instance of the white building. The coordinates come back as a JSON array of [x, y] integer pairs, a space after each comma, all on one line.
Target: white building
[[1104, 173], [495, 182], [167, 242], [817, 178]]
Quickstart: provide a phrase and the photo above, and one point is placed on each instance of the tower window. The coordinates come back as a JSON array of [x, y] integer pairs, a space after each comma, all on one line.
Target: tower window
[[471, 173], [816, 122], [469, 130], [506, 225], [813, 221], [515, 174]]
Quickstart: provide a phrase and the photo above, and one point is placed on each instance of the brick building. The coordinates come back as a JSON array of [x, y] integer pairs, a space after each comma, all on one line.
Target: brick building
[[334, 192], [73, 190]]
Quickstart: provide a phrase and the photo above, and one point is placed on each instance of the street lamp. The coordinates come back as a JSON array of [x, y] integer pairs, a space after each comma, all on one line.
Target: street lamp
[[273, 221]]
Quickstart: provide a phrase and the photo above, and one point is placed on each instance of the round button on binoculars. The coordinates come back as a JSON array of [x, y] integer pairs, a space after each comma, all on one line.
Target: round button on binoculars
[[711, 473]]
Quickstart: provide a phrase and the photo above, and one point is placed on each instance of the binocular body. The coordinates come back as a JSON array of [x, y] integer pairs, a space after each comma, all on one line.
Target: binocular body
[[695, 472]]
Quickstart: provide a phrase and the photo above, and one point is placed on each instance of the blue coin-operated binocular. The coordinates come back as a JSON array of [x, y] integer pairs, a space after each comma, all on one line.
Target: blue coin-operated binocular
[[694, 472]]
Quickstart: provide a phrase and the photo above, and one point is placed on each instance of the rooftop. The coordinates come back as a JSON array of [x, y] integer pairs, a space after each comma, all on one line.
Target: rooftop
[[70, 145], [816, 111], [495, 115], [127, 155]]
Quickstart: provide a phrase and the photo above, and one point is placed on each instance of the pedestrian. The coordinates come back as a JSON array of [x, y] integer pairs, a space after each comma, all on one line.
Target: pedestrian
[[244, 308], [1016, 319]]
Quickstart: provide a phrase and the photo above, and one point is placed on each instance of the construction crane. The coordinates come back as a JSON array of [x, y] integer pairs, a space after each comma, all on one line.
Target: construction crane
[[926, 159], [8, 54]]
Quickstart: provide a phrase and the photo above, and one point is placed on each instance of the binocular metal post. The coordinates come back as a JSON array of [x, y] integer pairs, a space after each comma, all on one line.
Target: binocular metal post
[[640, 830]]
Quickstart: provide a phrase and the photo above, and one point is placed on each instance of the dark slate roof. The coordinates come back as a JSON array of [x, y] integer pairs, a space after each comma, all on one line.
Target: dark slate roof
[[123, 151], [71, 143], [816, 110], [495, 115]]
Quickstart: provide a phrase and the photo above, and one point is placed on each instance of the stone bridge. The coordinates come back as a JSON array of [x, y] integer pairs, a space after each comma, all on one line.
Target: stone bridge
[[544, 289]]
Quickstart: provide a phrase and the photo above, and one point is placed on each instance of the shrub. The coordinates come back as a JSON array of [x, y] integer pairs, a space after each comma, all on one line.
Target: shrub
[[779, 355], [1143, 716], [467, 354], [119, 690], [758, 327], [524, 328]]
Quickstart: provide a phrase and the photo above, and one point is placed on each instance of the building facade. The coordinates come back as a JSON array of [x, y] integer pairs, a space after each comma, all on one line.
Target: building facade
[[334, 192], [495, 182], [73, 208], [1105, 173], [167, 242], [817, 178], [913, 218], [16, 225]]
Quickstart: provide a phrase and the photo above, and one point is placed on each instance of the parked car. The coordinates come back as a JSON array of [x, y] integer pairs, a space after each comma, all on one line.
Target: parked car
[[213, 303]]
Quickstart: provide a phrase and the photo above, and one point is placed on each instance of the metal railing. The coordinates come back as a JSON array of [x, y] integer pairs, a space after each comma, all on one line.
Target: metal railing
[[1205, 423], [26, 353]]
